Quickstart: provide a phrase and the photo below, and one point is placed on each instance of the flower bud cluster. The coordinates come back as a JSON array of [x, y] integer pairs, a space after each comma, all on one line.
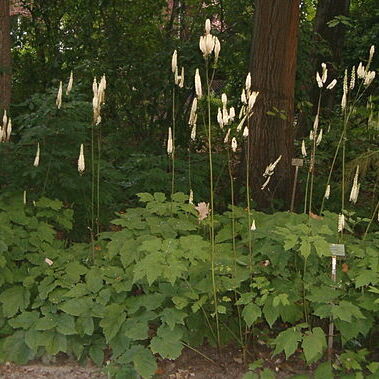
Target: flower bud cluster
[[208, 43], [178, 79], [98, 98], [269, 171], [6, 128], [225, 117]]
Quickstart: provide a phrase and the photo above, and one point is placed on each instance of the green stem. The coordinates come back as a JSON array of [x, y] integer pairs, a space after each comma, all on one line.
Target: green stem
[[306, 192], [173, 143], [331, 170], [98, 182], [248, 199], [304, 300], [46, 177], [372, 219], [202, 309], [92, 190], [248, 221], [234, 335], [343, 168], [213, 251], [189, 168], [313, 154], [200, 353], [234, 242]]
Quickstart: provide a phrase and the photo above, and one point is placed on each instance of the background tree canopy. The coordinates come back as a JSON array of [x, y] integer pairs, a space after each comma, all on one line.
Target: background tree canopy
[[132, 43]]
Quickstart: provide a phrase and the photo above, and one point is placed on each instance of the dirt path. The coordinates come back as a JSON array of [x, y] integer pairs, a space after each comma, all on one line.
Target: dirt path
[[190, 365], [40, 371]]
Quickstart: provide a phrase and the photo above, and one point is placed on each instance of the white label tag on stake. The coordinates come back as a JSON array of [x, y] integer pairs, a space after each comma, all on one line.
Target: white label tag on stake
[[337, 249]]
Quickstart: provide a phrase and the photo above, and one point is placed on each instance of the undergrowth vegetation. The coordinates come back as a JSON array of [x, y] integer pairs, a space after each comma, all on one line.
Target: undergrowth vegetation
[[148, 290]]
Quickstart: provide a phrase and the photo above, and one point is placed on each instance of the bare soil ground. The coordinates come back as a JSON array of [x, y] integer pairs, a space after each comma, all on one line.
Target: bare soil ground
[[226, 365]]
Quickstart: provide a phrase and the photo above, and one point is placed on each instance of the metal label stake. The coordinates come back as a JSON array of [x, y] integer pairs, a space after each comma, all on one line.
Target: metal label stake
[[297, 162], [336, 250]]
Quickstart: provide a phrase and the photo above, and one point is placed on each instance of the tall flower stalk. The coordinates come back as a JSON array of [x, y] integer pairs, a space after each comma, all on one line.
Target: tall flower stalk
[[364, 77], [248, 99], [375, 214], [98, 101], [230, 170], [192, 121], [315, 136], [178, 81], [207, 45], [224, 118]]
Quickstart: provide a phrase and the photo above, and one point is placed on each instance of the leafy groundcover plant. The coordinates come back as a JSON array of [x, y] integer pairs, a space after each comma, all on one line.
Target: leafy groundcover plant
[[148, 289]]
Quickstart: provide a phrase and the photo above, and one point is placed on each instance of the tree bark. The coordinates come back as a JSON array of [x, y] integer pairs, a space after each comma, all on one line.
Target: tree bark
[[273, 71], [5, 56]]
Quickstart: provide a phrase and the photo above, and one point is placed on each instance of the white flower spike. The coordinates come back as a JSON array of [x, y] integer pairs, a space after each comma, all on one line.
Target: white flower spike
[[341, 222], [226, 139], [343, 101], [209, 44], [169, 142], [355, 188], [192, 118], [303, 149], [234, 144], [217, 49], [220, 118], [245, 132], [36, 159], [81, 163], [202, 45], [174, 61], [248, 82], [193, 133], [327, 192], [243, 97], [9, 129], [371, 54], [319, 80], [252, 100], [319, 138], [324, 73], [370, 76], [361, 72], [181, 79], [207, 26], [232, 114], [5, 119], [70, 83], [332, 84], [224, 99], [198, 88], [352, 79], [190, 200], [345, 79], [58, 101]]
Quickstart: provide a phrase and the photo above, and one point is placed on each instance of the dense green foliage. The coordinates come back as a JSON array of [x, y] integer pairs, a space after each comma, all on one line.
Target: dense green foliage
[[146, 288]]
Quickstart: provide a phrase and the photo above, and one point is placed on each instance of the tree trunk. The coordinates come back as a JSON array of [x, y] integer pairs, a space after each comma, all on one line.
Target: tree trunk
[[273, 70], [5, 56]]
